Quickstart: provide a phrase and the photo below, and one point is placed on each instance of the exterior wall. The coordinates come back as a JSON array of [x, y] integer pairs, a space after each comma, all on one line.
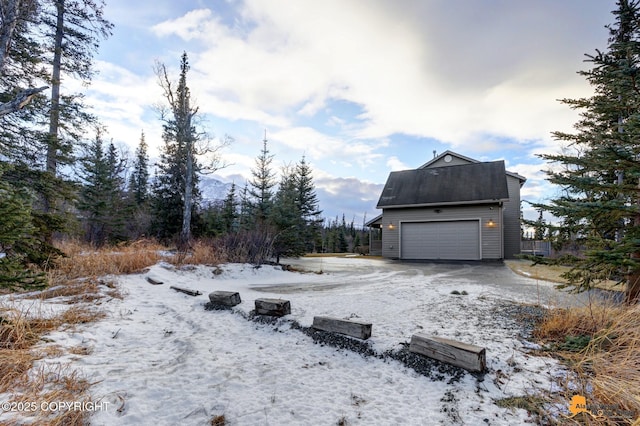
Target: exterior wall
[[512, 233], [490, 236], [455, 161]]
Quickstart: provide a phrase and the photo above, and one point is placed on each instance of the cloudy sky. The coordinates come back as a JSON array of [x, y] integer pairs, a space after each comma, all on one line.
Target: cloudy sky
[[360, 88]]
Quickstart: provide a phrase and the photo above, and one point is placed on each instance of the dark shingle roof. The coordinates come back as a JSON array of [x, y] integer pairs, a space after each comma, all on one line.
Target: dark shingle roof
[[466, 184]]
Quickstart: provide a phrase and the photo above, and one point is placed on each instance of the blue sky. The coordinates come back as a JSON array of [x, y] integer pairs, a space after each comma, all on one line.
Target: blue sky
[[360, 88]]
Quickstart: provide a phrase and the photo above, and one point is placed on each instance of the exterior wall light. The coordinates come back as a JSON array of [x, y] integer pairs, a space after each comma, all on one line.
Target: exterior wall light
[[391, 225], [491, 223]]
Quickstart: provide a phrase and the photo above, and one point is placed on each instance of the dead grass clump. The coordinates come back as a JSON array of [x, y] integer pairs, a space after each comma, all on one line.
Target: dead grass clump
[[613, 358], [53, 386], [22, 329], [80, 290], [84, 261], [14, 368], [577, 321], [531, 403], [602, 343], [80, 315], [201, 252]]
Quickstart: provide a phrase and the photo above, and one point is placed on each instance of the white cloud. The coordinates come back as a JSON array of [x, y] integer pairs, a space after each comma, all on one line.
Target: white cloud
[[395, 164], [321, 146], [191, 26], [410, 72], [478, 78]]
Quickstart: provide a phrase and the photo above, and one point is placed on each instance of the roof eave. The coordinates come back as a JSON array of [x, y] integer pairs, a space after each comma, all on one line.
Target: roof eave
[[447, 204], [374, 220], [521, 178], [447, 152]]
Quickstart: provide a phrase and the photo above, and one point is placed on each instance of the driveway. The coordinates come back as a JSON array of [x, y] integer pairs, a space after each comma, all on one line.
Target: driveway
[[493, 279]]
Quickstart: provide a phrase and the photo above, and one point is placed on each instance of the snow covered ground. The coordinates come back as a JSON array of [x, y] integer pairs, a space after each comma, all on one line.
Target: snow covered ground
[[160, 358]]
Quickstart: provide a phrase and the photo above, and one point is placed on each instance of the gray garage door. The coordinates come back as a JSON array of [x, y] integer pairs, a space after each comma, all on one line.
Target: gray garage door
[[451, 240]]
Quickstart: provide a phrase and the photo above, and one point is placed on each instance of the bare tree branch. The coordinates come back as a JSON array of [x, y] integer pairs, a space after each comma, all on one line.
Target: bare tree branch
[[21, 99]]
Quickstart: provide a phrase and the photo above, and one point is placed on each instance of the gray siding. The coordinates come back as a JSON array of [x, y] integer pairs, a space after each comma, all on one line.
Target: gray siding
[[512, 219], [455, 161], [490, 236]]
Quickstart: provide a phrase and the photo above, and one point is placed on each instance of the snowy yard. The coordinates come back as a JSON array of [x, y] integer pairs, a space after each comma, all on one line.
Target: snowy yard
[[160, 358]]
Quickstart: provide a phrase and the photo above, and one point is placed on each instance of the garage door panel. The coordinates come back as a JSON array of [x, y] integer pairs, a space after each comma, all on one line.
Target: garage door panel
[[446, 240]]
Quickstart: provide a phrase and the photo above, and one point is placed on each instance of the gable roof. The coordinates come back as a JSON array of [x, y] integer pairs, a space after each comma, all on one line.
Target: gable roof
[[462, 184], [465, 159]]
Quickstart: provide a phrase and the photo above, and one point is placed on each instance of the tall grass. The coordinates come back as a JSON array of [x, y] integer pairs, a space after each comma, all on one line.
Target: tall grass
[[82, 261], [613, 357], [21, 331], [600, 343]]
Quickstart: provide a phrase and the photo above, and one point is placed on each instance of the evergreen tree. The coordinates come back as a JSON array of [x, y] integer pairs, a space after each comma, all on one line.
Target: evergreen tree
[[22, 59], [261, 185], [230, 210], [75, 29], [539, 228], [101, 194], [176, 188], [286, 218], [167, 191], [138, 198], [244, 215], [342, 244], [307, 204], [139, 179], [212, 220], [16, 238], [600, 206]]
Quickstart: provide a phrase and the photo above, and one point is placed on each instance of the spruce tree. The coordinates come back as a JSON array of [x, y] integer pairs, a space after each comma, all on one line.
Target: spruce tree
[[101, 196], [261, 185], [230, 210], [600, 166], [286, 218], [244, 215], [138, 198], [139, 179], [75, 30], [16, 238], [176, 190], [307, 204]]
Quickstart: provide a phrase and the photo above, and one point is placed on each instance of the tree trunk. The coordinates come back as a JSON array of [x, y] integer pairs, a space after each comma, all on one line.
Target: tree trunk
[[632, 293], [11, 10], [185, 234], [54, 115]]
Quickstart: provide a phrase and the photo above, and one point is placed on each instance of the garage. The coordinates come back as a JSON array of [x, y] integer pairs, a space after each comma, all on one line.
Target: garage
[[440, 240]]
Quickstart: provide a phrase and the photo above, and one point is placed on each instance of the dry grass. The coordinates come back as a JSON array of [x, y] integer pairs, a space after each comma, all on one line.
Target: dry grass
[[601, 345], [201, 252], [576, 321], [85, 262], [74, 280], [50, 385], [50, 382], [613, 357]]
